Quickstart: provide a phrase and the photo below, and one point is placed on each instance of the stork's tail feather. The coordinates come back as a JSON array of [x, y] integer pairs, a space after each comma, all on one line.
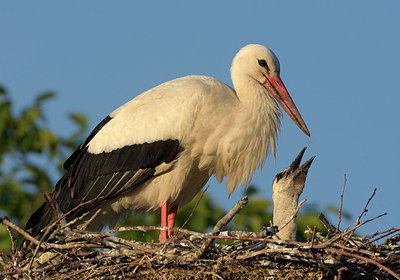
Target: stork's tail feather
[[39, 220]]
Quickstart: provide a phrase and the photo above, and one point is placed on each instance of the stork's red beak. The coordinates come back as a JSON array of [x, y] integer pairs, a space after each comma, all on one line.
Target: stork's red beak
[[278, 90]]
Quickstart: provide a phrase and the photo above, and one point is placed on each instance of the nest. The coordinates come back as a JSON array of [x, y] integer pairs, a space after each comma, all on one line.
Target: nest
[[73, 254]]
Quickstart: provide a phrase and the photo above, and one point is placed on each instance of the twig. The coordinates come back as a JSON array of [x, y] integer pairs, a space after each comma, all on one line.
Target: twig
[[339, 275], [58, 214], [2, 262], [365, 208], [195, 207], [379, 233], [394, 239], [201, 235], [77, 219], [391, 272], [348, 232], [341, 204], [56, 209], [62, 220], [51, 226], [90, 221], [329, 227], [45, 245], [228, 217], [221, 223], [313, 236], [388, 232], [5, 221], [13, 241], [359, 217], [267, 231]]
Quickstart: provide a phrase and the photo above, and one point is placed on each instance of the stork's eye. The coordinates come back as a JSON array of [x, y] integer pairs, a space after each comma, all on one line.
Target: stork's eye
[[262, 63]]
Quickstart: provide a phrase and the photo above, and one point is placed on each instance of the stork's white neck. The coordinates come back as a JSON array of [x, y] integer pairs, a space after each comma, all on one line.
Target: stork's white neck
[[254, 133]]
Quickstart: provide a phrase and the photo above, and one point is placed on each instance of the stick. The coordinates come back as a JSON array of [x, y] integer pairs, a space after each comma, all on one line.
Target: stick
[[341, 203], [45, 245], [50, 227], [348, 232], [195, 207], [5, 221], [228, 217], [313, 236], [13, 242], [221, 223], [201, 235], [365, 208], [388, 232], [90, 221], [379, 233], [267, 231], [55, 208], [364, 259], [57, 212], [2, 263], [329, 227]]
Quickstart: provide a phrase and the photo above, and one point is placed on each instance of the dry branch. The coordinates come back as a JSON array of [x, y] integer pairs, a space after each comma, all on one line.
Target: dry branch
[[195, 207], [329, 227], [221, 223], [365, 208], [341, 204]]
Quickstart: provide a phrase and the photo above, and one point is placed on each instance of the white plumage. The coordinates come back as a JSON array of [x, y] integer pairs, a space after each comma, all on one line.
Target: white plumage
[[160, 148]]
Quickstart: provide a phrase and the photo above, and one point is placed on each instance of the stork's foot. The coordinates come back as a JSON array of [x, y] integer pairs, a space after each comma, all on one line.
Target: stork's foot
[[167, 220], [163, 236]]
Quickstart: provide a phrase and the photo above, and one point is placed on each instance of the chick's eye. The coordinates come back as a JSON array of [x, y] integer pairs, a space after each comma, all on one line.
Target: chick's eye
[[262, 63]]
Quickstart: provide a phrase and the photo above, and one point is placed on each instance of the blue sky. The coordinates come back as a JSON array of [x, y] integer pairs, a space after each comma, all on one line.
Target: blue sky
[[339, 61]]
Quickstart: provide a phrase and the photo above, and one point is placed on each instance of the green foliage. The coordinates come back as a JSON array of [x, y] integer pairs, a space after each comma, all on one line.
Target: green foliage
[[27, 148]]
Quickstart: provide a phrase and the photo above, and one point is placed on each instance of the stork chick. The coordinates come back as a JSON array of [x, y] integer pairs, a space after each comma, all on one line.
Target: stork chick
[[287, 187]]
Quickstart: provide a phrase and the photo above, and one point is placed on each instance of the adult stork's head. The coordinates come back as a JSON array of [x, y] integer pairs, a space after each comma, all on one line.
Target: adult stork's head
[[258, 63]]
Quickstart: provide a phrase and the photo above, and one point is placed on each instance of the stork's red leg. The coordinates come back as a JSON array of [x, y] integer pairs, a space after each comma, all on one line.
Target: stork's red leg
[[164, 222], [167, 220], [172, 218]]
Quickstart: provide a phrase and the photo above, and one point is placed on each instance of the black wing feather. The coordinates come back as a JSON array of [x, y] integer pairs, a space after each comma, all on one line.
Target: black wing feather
[[104, 176], [78, 151], [129, 158]]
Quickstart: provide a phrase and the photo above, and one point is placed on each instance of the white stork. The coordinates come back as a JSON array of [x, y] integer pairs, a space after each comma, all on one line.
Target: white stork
[[159, 149]]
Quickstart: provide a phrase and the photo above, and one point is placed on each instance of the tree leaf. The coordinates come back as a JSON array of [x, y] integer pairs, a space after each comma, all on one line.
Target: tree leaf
[[44, 96], [79, 119]]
